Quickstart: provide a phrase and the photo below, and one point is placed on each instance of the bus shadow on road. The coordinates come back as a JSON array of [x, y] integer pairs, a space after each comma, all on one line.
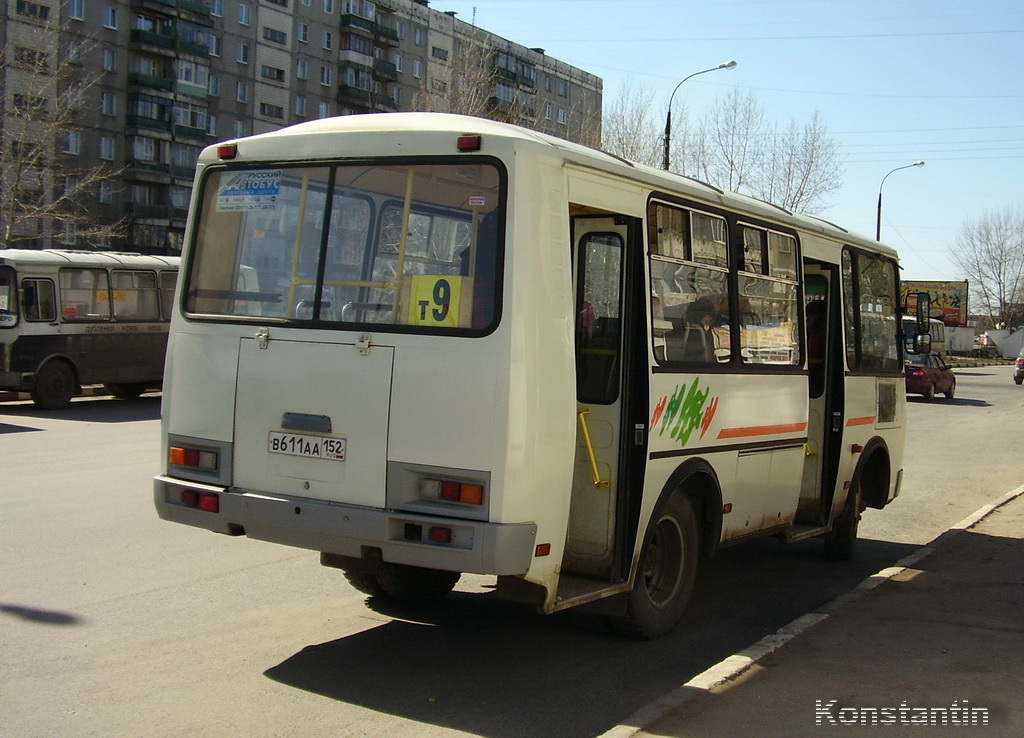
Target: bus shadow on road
[[491, 668], [91, 410]]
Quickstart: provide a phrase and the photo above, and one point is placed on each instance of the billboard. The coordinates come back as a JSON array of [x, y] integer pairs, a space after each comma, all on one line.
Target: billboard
[[949, 299]]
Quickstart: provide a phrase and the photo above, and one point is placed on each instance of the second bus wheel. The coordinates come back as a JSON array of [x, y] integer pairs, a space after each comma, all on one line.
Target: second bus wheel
[[125, 391], [412, 583], [54, 385], [668, 569]]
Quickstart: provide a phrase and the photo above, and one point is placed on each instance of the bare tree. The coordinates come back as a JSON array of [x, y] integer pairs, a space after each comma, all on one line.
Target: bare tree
[[800, 167], [44, 192], [730, 149], [990, 251], [630, 128]]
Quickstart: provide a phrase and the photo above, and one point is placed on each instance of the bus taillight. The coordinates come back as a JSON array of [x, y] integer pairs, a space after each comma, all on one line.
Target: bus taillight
[[192, 457], [227, 151], [206, 501], [466, 493]]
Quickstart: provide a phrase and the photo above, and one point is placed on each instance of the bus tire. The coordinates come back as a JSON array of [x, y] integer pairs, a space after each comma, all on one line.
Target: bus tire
[[415, 584], [929, 393], [841, 541], [665, 575], [366, 583], [126, 391], [54, 385]]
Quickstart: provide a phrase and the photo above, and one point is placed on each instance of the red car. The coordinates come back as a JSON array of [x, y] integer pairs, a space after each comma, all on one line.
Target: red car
[[927, 374]]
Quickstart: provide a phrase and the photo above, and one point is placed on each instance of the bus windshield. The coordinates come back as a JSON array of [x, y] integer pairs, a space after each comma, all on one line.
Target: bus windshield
[[394, 246]]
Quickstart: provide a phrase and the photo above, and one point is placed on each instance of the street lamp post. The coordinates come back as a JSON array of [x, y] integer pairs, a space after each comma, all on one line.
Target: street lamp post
[[878, 219], [668, 116]]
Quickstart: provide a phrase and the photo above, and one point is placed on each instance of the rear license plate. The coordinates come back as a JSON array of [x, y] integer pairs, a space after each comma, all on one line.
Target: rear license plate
[[299, 444]]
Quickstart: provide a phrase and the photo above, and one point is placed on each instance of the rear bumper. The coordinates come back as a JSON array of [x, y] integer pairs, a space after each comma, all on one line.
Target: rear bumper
[[477, 547]]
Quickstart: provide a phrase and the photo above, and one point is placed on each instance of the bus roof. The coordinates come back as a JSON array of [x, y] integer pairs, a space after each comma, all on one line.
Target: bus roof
[[304, 141], [66, 257]]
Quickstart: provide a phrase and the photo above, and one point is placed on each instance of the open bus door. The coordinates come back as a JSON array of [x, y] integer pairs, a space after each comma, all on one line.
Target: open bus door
[[608, 471]]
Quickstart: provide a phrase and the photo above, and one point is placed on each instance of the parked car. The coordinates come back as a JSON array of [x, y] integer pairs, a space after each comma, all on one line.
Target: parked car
[[927, 374], [1018, 371]]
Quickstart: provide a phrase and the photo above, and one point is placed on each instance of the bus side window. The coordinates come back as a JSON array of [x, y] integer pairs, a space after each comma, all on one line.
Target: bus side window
[[37, 299]]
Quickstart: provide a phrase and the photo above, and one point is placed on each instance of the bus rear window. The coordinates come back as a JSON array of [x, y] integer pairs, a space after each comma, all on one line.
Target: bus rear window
[[410, 247]]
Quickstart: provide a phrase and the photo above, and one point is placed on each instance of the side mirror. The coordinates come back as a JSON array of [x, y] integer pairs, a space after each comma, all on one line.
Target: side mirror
[[922, 344], [923, 311]]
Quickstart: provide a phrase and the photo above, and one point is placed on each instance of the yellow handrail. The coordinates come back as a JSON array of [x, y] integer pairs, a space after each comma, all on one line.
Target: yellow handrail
[[598, 482]]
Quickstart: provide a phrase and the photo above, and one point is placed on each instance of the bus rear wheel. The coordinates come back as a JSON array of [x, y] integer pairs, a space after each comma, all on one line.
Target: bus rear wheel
[[404, 583], [54, 385], [125, 391], [665, 577]]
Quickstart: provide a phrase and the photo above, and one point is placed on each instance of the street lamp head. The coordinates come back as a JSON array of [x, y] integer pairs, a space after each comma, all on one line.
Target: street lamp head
[[917, 164], [732, 65]]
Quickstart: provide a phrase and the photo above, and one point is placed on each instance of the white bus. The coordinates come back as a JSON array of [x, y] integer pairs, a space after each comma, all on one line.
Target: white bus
[[74, 318], [426, 345]]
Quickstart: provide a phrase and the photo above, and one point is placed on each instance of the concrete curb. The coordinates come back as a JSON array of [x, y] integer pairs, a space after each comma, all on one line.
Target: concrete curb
[[733, 666]]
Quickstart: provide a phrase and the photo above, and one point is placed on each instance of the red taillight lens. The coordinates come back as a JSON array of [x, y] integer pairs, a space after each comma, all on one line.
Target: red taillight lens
[[209, 503], [438, 534], [227, 151], [468, 493]]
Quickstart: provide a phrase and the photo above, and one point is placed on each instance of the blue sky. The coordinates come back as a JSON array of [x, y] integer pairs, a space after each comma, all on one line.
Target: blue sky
[[894, 81]]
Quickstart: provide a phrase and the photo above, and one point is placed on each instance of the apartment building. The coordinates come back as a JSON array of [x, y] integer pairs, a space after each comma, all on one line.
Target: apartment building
[[168, 77]]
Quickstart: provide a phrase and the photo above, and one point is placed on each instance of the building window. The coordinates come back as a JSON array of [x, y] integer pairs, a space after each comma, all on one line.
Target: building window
[[242, 92], [272, 34], [109, 60], [324, 110], [239, 127], [328, 40], [243, 53], [143, 148], [271, 111], [211, 125], [190, 116], [76, 9], [244, 14], [190, 73], [399, 63], [549, 109], [561, 116], [107, 106], [328, 6], [304, 33], [106, 148], [33, 10], [300, 107], [109, 17], [217, 8], [563, 88], [359, 44], [301, 69], [106, 193], [73, 143], [273, 73], [213, 86], [417, 68], [214, 44], [325, 76], [420, 37]]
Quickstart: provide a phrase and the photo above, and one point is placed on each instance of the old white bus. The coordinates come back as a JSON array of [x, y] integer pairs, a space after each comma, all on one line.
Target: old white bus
[[426, 345], [74, 318]]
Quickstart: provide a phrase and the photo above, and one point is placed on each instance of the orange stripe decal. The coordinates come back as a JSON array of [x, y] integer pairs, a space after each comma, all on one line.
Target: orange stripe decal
[[762, 430], [869, 420]]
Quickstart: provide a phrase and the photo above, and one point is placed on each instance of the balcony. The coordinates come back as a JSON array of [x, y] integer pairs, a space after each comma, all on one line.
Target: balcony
[[354, 21], [148, 80], [385, 103], [385, 69], [148, 171], [162, 41], [145, 210], [190, 132], [153, 124], [354, 95], [385, 34]]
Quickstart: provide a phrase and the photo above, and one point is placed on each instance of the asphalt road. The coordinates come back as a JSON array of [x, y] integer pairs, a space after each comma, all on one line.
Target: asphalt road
[[116, 623]]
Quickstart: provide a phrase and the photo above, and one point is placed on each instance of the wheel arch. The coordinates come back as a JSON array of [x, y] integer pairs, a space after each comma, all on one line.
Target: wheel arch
[[873, 474], [696, 479]]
